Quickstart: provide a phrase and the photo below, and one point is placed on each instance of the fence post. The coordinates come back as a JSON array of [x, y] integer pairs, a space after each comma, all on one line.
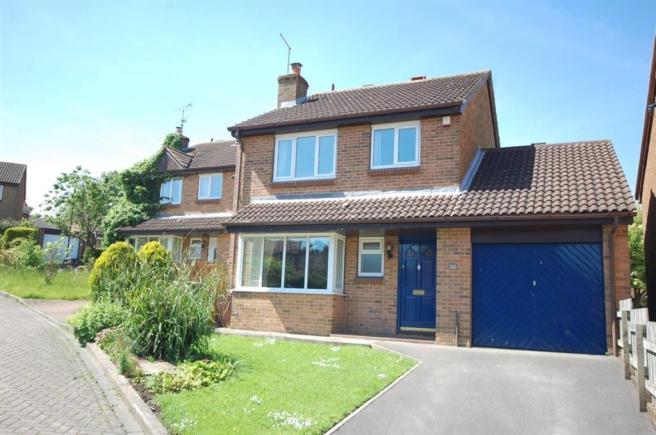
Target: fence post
[[626, 352], [639, 352]]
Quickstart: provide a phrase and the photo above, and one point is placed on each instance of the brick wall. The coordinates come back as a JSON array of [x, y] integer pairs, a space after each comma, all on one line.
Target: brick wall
[[13, 198], [477, 130], [454, 281], [622, 274], [371, 302], [296, 313], [190, 202]]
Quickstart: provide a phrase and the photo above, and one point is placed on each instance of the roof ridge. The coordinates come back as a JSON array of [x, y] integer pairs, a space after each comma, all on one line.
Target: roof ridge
[[383, 85]]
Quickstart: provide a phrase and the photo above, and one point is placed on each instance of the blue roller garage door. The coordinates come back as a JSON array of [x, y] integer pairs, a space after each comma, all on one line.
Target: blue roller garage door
[[539, 296]]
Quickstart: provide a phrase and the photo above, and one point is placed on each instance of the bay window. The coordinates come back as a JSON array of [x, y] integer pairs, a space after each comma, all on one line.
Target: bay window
[[173, 244], [395, 145], [305, 156], [210, 186], [170, 191], [292, 262]]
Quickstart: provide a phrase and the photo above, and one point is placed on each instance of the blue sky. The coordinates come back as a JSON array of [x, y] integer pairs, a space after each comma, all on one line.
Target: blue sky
[[97, 83]]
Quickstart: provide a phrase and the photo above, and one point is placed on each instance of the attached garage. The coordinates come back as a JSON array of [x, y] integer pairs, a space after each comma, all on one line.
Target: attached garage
[[539, 290]]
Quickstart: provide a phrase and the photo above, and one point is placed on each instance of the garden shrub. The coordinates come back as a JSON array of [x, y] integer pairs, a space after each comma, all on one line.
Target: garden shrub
[[155, 255], [191, 375], [114, 273], [95, 318], [170, 315], [27, 254], [12, 233]]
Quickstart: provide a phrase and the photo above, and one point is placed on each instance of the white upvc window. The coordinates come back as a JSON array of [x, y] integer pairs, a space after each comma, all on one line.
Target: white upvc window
[[195, 249], [173, 244], [293, 263], [171, 191], [395, 145], [2, 188], [370, 256], [210, 186], [305, 156]]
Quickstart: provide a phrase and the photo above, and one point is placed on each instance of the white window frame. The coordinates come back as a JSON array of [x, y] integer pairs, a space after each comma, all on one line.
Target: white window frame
[[2, 191], [397, 126], [332, 263], [212, 249], [380, 251], [294, 137], [163, 199], [200, 253], [209, 194]]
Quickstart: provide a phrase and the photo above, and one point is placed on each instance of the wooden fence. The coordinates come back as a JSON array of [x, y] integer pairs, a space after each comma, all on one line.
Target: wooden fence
[[638, 343]]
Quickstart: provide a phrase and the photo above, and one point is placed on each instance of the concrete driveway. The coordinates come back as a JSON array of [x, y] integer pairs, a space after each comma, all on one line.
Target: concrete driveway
[[487, 391]]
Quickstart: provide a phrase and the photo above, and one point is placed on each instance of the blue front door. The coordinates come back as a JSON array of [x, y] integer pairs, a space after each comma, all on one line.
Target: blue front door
[[417, 284]]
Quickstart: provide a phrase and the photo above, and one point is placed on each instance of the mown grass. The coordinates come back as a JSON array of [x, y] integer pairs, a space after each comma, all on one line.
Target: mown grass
[[282, 387], [68, 284]]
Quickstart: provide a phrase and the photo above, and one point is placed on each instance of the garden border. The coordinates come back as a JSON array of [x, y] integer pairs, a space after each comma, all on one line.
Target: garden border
[[372, 344], [100, 364]]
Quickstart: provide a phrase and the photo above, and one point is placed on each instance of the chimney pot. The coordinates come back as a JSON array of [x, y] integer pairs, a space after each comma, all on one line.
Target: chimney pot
[[296, 68]]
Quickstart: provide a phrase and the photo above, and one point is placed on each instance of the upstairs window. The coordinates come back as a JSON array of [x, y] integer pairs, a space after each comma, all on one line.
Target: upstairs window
[[210, 186], [171, 192], [395, 145], [305, 156]]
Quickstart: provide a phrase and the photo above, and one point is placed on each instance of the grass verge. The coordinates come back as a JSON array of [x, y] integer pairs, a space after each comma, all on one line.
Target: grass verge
[[68, 284], [282, 387]]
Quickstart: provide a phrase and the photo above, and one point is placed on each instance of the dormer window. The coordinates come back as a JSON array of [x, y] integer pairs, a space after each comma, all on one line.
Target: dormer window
[[395, 145], [305, 156]]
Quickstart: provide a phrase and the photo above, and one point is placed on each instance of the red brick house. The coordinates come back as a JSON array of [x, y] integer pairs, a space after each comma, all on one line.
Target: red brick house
[[13, 181], [646, 186], [392, 210], [196, 198]]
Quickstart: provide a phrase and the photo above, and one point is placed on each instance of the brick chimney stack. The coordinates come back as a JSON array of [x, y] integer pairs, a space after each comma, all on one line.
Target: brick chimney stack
[[292, 88]]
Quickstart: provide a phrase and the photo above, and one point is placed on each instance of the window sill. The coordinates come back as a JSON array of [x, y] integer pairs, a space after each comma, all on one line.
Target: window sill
[[301, 183], [170, 205], [286, 291], [369, 279], [203, 201], [394, 171]]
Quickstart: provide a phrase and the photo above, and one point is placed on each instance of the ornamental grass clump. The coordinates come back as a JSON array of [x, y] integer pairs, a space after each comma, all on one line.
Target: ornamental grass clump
[[171, 314]]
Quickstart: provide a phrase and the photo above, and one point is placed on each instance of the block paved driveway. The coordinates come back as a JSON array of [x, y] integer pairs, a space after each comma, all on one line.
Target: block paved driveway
[[488, 391], [45, 385]]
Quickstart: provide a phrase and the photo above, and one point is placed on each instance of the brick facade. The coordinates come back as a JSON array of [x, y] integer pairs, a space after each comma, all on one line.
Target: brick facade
[[13, 199], [190, 204], [371, 302], [445, 155], [454, 286], [287, 312], [622, 269]]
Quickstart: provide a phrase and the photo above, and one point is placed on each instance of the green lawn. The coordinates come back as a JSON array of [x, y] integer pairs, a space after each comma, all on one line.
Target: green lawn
[[68, 284], [282, 387]]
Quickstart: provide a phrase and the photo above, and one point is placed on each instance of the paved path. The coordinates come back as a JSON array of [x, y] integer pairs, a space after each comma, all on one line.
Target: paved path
[[45, 384], [58, 309], [475, 391]]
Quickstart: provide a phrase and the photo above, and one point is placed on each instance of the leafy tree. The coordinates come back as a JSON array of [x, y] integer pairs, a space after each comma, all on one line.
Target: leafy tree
[[79, 202], [637, 255]]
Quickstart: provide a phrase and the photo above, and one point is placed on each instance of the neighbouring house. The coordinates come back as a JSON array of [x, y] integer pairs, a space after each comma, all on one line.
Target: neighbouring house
[[68, 247], [646, 187], [196, 198], [393, 210], [13, 181]]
